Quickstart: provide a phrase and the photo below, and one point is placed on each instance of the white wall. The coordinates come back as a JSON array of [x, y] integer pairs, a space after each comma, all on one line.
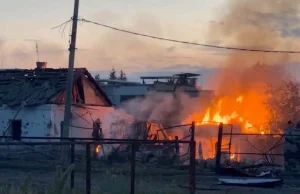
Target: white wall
[[44, 120], [115, 92], [36, 121], [82, 117]]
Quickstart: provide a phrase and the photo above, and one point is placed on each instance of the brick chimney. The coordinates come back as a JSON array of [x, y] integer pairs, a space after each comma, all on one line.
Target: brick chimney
[[41, 65]]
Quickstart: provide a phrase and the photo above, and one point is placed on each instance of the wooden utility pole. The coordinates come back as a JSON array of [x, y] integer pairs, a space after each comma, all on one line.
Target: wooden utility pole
[[68, 98], [69, 86]]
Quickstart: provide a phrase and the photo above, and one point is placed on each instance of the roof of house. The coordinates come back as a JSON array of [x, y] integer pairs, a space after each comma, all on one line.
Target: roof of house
[[23, 87]]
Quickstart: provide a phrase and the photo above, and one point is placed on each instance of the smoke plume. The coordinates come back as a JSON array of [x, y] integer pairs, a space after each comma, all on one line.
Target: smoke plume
[[260, 25], [156, 107], [267, 25]]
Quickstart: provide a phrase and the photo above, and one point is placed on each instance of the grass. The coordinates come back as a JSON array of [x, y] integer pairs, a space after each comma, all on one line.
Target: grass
[[112, 180], [112, 188]]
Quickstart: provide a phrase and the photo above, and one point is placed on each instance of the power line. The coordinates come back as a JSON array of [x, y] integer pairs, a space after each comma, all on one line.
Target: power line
[[63, 26], [60, 25], [190, 43]]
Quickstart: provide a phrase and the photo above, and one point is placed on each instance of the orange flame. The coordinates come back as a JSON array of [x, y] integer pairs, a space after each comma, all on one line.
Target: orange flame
[[98, 149], [240, 99], [206, 116], [233, 116], [232, 156], [229, 112], [246, 110]]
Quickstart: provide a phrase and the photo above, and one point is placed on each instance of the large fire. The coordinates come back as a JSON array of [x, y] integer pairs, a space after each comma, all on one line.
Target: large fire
[[229, 112], [247, 112]]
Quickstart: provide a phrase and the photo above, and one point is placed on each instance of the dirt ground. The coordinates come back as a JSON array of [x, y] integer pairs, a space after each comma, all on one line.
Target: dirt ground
[[149, 179]]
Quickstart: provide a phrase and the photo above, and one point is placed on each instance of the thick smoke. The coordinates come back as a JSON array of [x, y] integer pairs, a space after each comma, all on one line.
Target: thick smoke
[[267, 25], [167, 109], [155, 107], [256, 24], [247, 24]]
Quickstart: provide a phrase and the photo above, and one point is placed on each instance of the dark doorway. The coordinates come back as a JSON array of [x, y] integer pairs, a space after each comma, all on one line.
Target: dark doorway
[[16, 129]]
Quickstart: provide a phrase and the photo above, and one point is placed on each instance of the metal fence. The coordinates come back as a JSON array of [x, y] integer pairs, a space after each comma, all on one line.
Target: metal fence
[[88, 143], [257, 148]]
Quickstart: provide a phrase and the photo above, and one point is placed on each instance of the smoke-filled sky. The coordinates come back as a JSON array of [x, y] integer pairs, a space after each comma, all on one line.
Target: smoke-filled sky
[[265, 24]]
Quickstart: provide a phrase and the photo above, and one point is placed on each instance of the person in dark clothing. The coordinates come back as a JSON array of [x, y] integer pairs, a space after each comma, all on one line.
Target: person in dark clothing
[[97, 130], [97, 134]]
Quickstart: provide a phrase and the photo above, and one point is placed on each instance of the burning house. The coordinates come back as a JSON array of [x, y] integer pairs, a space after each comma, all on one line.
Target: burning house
[[32, 102], [238, 117], [144, 109]]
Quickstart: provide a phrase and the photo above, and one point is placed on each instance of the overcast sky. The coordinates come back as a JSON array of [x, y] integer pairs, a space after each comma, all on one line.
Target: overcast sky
[[100, 49]]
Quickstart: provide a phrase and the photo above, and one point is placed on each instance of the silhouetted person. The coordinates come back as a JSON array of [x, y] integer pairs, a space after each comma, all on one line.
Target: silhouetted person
[[97, 134]]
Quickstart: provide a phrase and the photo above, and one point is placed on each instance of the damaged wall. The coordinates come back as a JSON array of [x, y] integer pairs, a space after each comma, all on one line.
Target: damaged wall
[[44, 120], [36, 121], [82, 118]]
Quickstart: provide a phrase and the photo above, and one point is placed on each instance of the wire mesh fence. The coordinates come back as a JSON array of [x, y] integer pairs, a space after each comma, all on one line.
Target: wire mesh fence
[[250, 151], [134, 165]]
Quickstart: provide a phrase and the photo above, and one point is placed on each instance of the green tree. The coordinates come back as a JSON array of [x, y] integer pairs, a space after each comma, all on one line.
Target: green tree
[[97, 77], [283, 105], [122, 76], [112, 74]]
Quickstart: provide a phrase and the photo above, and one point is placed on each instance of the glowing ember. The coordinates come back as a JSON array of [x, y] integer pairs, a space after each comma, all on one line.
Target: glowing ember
[[232, 156], [248, 125], [98, 149], [240, 99]]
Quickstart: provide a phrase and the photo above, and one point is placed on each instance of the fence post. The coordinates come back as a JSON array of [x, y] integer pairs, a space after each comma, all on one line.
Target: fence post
[[192, 182], [132, 174], [219, 148], [88, 169], [177, 149], [72, 162]]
